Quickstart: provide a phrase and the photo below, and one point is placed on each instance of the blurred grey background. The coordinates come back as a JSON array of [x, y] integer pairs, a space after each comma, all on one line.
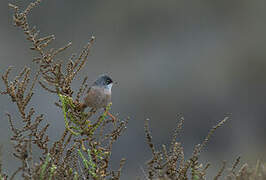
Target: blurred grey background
[[199, 58]]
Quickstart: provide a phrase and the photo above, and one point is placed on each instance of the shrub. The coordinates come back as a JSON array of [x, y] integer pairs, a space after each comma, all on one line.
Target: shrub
[[84, 148]]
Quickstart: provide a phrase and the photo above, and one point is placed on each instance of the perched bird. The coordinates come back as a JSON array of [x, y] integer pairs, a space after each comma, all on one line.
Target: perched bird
[[99, 94]]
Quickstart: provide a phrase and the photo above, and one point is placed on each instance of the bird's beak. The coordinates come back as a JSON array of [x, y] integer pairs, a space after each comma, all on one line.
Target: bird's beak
[[115, 82]]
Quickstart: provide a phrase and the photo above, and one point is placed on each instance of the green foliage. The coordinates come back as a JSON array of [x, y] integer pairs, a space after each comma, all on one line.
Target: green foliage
[[76, 176], [61, 157], [83, 125], [44, 168], [102, 117], [67, 102], [52, 171], [88, 163]]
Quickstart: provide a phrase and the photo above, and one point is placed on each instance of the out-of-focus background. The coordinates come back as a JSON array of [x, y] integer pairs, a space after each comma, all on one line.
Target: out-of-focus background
[[199, 58]]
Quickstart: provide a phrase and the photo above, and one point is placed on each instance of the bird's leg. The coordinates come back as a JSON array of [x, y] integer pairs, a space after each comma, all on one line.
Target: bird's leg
[[113, 117]]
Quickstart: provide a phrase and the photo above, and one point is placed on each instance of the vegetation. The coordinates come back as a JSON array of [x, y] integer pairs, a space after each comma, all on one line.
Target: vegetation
[[84, 149]]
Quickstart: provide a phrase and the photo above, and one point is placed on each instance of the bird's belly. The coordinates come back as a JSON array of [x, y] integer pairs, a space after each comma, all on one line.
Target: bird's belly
[[97, 98]]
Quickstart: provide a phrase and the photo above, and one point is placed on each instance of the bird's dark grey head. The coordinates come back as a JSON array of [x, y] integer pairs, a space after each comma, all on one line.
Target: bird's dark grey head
[[103, 80]]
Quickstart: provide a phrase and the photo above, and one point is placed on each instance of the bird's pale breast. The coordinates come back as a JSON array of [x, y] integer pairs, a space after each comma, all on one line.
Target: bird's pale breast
[[98, 97]]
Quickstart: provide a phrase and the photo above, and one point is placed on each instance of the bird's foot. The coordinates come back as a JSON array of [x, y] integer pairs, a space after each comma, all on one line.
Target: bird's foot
[[113, 117]]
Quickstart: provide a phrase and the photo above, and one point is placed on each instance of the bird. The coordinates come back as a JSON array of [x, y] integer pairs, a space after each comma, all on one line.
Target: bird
[[99, 94]]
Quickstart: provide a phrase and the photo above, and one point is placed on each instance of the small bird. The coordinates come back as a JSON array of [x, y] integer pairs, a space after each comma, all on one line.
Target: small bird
[[99, 94]]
